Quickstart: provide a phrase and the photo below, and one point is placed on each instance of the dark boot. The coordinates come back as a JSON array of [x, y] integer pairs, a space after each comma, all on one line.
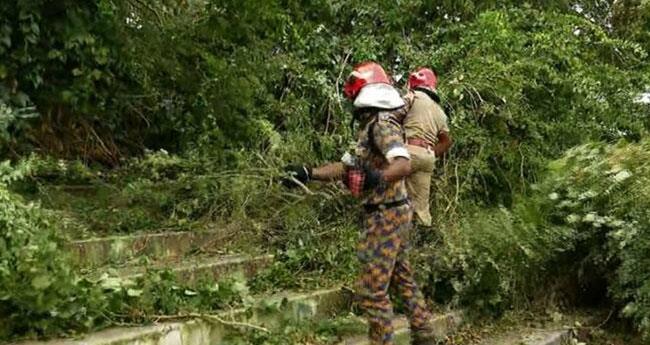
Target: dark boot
[[424, 338]]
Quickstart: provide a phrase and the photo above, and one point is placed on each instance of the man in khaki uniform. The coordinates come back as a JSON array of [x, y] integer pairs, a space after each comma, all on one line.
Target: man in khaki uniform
[[427, 136]]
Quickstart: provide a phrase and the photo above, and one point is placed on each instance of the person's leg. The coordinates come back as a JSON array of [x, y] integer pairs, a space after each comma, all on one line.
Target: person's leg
[[377, 251], [403, 281], [418, 184]]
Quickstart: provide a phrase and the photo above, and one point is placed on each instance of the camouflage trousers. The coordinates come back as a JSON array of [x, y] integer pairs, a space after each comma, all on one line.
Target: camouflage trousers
[[382, 252]]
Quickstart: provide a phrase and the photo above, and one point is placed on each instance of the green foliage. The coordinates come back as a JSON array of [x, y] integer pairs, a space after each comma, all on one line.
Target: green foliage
[[313, 235], [602, 192], [524, 91], [39, 292], [11, 122], [310, 254], [159, 293], [519, 77], [585, 223], [630, 19], [42, 296], [235, 89]]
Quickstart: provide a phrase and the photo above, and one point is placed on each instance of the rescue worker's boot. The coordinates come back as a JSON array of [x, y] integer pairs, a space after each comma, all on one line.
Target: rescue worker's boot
[[424, 337]]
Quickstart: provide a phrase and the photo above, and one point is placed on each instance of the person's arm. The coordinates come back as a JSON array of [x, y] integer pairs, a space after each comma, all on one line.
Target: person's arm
[[304, 174], [329, 172], [443, 145], [399, 168], [390, 141]]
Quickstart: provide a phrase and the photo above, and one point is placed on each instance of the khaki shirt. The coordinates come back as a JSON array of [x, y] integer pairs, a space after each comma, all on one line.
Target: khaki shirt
[[425, 120]]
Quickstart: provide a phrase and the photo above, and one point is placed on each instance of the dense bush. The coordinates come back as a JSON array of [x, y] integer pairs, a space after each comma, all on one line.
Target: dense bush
[[586, 223], [39, 291], [602, 193], [523, 82]]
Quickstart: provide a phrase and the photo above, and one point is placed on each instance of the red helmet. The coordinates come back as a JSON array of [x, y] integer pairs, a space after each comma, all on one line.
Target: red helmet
[[365, 73], [423, 77]]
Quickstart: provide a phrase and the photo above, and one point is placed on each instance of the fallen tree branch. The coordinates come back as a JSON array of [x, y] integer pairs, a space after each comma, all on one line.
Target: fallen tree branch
[[301, 185]]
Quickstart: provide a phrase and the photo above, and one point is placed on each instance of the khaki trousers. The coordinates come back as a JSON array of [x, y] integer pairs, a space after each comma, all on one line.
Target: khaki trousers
[[418, 183]]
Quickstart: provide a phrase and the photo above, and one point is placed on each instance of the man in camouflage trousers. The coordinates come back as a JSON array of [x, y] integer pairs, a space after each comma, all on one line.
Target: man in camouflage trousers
[[376, 172]]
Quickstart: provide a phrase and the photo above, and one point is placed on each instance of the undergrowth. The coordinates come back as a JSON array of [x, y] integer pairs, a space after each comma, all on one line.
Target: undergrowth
[[314, 245], [42, 296], [582, 224], [581, 235]]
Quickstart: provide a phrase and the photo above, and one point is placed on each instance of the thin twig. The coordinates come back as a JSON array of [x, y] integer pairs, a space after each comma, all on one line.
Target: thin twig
[[338, 79], [264, 161], [457, 189], [301, 185], [600, 325], [108, 152], [521, 167]]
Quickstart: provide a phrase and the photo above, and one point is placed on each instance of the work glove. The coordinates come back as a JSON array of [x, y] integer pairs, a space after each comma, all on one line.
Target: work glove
[[298, 172], [373, 178]]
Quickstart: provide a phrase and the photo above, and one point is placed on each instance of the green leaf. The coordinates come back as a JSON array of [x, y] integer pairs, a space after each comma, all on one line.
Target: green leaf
[[35, 29], [133, 292], [41, 282]]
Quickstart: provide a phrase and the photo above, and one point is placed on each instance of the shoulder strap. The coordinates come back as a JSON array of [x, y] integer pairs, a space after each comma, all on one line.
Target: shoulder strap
[[371, 137]]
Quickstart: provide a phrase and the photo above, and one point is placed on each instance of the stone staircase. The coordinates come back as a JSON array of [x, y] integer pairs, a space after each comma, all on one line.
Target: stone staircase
[[184, 254], [97, 252], [213, 329], [191, 256]]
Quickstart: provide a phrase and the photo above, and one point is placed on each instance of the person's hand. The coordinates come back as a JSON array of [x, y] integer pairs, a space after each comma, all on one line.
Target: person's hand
[[359, 180], [372, 179], [300, 173]]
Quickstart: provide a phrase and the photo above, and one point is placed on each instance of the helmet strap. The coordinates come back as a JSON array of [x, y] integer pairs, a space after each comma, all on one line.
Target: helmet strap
[[432, 94]]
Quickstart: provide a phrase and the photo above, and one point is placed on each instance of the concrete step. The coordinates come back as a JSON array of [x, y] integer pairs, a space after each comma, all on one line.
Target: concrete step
[[192, 270], [268, 312], [97, 252], [527, 336], [444, 325], [448, 323], [551, 337]]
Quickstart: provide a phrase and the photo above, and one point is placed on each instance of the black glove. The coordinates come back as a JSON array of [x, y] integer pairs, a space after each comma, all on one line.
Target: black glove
[[373, 178], [299, 172]]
